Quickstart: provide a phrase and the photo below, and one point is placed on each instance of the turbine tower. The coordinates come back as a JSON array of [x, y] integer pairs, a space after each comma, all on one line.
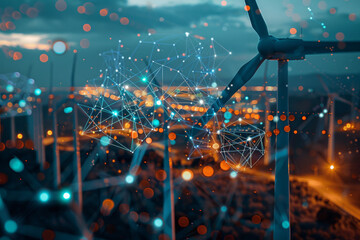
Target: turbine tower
[[332, 98], [169, 207], [282, 50]]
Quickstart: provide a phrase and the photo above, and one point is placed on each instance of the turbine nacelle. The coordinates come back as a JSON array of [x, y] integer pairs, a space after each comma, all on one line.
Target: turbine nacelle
[[273, 48]]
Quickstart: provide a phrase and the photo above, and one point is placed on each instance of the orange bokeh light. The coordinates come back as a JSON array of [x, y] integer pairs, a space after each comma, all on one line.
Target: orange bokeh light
[[87, 27], [224, 166], [183, 222], [293, 31], [104, 12], [124, 21], [208, 171], [44, 58]]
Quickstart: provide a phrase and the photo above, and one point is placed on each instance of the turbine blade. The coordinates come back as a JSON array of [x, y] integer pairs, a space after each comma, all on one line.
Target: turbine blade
[[324, 85], [330, 47], [338, 98], [245, 73], [257, 21]]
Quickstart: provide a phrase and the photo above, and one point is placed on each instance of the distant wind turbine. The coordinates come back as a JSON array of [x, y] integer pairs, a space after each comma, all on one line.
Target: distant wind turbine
[[281, 50]]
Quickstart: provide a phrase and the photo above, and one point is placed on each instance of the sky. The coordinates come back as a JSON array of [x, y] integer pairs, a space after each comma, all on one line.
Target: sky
[[29, 27]]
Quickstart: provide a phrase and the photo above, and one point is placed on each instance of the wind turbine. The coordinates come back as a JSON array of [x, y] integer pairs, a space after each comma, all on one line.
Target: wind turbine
[[282, 50], [332, 98], [76, 156], [169, 207]]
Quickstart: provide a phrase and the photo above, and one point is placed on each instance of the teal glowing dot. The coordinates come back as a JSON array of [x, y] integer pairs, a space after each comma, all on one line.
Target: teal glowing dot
[[227, 115], [233, 174], [144, 79], [214, 84], [22, 103], [246, 98], [172, 142], [44, 196], [105, 141], [10, 226], [129, 179], [37, 92], [59, 47], [9, 88], [156, 123], [158, 222], [223, 208], [16, 165], [68, 110], [115, 113], [66, 196], [285, 224], [158, 102]]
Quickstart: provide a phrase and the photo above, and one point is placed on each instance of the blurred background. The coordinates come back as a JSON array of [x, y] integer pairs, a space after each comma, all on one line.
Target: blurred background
[[55, 184]]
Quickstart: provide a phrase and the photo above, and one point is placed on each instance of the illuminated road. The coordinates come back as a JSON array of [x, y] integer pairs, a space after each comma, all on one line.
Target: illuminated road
[[346, 197]]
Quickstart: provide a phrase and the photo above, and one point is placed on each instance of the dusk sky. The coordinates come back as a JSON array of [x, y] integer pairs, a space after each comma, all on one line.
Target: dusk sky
[[28, 27]]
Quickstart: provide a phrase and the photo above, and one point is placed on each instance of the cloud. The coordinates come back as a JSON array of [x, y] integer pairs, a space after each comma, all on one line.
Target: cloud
[[26, 41]]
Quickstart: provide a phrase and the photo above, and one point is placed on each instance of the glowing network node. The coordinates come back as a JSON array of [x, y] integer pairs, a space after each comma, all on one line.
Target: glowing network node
[[16, 165], [155, 123], [115, 113], [233, 174], [227, 115], [66, 195], [68, 110], [10, 88], [223, 208], [158, 222], [44, 196], [37, 92], [10, 226], [129, 179], [22, 103], [285, 224], [105, 141]]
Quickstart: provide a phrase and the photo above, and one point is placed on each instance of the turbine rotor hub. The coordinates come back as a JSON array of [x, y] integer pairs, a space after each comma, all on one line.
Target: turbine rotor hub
[[281, 48]]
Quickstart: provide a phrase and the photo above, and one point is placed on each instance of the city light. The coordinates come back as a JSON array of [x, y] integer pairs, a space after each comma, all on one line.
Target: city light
[[332, 167], [187, 175]]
